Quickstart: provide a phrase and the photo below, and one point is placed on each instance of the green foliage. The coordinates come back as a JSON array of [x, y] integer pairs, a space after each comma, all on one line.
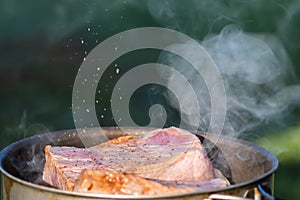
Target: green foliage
[[285, 145]]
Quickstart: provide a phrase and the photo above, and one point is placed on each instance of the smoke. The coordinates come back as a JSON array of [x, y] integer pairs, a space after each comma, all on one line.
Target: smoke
[[200, 18], [289, 30], [257, 74], [194, 18], [256, 77], [256, 69]]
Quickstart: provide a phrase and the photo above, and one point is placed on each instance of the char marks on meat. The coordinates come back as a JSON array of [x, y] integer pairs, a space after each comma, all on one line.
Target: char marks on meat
[[167, 155]]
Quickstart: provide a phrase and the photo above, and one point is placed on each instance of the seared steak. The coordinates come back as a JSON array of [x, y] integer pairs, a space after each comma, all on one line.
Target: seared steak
[[105, 182], [168, 155]]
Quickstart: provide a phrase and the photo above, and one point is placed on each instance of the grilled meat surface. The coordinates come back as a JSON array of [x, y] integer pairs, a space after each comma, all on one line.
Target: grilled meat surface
[[167, 155], [98, 181]]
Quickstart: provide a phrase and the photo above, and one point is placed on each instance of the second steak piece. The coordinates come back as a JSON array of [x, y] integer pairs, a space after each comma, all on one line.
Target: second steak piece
[[168, 154], [97, 181]]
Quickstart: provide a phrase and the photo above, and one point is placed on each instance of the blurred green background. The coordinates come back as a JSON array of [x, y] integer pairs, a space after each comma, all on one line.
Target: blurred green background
[[43, 43]]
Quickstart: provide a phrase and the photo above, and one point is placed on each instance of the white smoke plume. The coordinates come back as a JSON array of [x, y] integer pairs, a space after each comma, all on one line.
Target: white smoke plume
[[261, 85], [256, 72]]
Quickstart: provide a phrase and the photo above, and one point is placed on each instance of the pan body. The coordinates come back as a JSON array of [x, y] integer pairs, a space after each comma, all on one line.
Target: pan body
[[21, 164]]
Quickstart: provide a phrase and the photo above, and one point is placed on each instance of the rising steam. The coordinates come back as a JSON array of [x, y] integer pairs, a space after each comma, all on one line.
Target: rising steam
[[255, 74], [256, 69]]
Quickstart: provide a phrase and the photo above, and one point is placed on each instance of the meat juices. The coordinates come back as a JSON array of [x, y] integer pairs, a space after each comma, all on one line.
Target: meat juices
[[164, 155]]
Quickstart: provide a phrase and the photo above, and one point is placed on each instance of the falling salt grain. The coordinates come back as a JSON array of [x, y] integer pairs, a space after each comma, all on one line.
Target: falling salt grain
[[87, 110], [97, 101], [88, 29], [102, 116], [121, 98], [117, 71], [98, 68], [83, 100], [82, 41]]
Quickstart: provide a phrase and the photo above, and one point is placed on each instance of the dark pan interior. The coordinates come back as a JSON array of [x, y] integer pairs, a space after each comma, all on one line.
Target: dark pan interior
[[239, 161]]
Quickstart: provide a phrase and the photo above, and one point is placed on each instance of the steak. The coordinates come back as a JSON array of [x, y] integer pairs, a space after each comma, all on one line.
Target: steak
[[105, 182], [167, 155]]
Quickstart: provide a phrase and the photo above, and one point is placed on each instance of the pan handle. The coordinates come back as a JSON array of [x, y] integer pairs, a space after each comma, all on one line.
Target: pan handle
[[260, 193], [265, 194], [225, 197]]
